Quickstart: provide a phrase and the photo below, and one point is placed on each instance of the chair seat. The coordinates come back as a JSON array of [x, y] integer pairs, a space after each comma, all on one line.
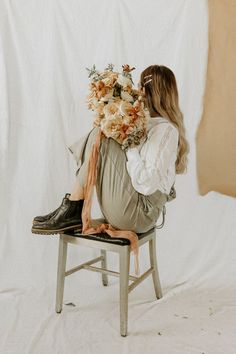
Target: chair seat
[[104, 237]]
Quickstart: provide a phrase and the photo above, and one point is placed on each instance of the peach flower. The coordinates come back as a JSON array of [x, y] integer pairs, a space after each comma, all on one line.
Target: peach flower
[[110, 109]]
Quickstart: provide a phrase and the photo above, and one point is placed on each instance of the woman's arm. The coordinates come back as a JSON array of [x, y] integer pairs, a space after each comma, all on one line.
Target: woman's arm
[[148, 169]]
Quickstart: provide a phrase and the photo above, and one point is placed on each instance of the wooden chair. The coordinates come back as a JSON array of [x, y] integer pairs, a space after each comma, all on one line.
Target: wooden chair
[[105, 243]]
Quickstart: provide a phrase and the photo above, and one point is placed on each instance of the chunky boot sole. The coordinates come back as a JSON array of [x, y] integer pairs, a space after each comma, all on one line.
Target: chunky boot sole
[[57, 231]]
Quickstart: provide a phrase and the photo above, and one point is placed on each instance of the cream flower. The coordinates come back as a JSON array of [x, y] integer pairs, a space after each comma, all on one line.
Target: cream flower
[[111, 127], [126, 96], [124, 81], [109, 78], [108, 81]]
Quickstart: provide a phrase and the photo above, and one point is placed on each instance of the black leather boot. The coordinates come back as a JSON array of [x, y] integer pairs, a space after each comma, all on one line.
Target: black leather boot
[[48, 216], [67, 218]]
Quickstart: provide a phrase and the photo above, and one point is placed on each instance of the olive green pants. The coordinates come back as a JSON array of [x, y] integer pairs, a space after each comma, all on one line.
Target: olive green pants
[[121, 205]]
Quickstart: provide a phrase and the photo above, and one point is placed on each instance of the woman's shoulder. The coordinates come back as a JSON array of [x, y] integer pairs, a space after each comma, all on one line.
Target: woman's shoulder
[[161, 125]]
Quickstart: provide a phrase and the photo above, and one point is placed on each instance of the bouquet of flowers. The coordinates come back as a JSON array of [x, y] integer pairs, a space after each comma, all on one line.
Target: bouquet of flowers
[[120, 111]]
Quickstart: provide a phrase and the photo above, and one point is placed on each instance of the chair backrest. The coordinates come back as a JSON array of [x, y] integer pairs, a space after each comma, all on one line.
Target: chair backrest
[[163, 218], [172, 194]]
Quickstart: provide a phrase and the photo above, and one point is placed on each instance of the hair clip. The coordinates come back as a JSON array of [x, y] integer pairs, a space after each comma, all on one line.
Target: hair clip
[[147, 76], [147, 81]]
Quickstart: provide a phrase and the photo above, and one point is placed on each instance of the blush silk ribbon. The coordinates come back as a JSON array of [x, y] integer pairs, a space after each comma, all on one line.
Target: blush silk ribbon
[[89, 226]]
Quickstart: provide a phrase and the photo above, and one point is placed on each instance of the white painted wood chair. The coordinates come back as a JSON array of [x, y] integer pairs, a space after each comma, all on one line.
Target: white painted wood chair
[[105, 243]]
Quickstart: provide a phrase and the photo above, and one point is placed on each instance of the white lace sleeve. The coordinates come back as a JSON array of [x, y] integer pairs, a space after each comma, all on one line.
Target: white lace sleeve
[[149, 169]]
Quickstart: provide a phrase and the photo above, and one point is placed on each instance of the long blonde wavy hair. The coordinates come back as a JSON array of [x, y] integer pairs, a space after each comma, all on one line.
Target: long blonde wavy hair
[[161, 97]]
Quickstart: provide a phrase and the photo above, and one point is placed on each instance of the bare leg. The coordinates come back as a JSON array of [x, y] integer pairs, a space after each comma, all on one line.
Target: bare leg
[[81, 178], [77, 192]]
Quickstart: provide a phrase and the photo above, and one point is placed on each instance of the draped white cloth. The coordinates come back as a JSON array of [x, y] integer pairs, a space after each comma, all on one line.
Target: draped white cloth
[[45, 47]]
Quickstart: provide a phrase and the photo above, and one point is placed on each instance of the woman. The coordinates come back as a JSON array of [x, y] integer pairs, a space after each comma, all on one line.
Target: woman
[[133, 186]]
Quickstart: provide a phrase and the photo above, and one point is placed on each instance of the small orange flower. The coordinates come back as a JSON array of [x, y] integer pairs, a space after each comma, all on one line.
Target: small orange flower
[[127, 68]]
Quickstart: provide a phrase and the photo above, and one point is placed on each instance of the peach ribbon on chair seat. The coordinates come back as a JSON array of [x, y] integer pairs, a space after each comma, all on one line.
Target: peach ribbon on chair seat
[[88, 224]]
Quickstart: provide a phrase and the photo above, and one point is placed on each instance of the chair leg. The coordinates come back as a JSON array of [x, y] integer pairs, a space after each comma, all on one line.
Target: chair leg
[[61, 268], [153, 263], [124, 283], [104, 265]]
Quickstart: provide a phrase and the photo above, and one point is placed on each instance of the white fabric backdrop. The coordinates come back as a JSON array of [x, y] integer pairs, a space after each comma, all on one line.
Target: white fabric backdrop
[[44, 49]]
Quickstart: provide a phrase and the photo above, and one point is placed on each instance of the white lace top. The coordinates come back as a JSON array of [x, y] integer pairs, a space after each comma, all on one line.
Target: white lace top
[[151, 165]]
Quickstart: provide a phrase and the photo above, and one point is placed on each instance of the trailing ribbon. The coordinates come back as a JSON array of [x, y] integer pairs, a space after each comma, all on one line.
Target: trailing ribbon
[[88, 224]]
